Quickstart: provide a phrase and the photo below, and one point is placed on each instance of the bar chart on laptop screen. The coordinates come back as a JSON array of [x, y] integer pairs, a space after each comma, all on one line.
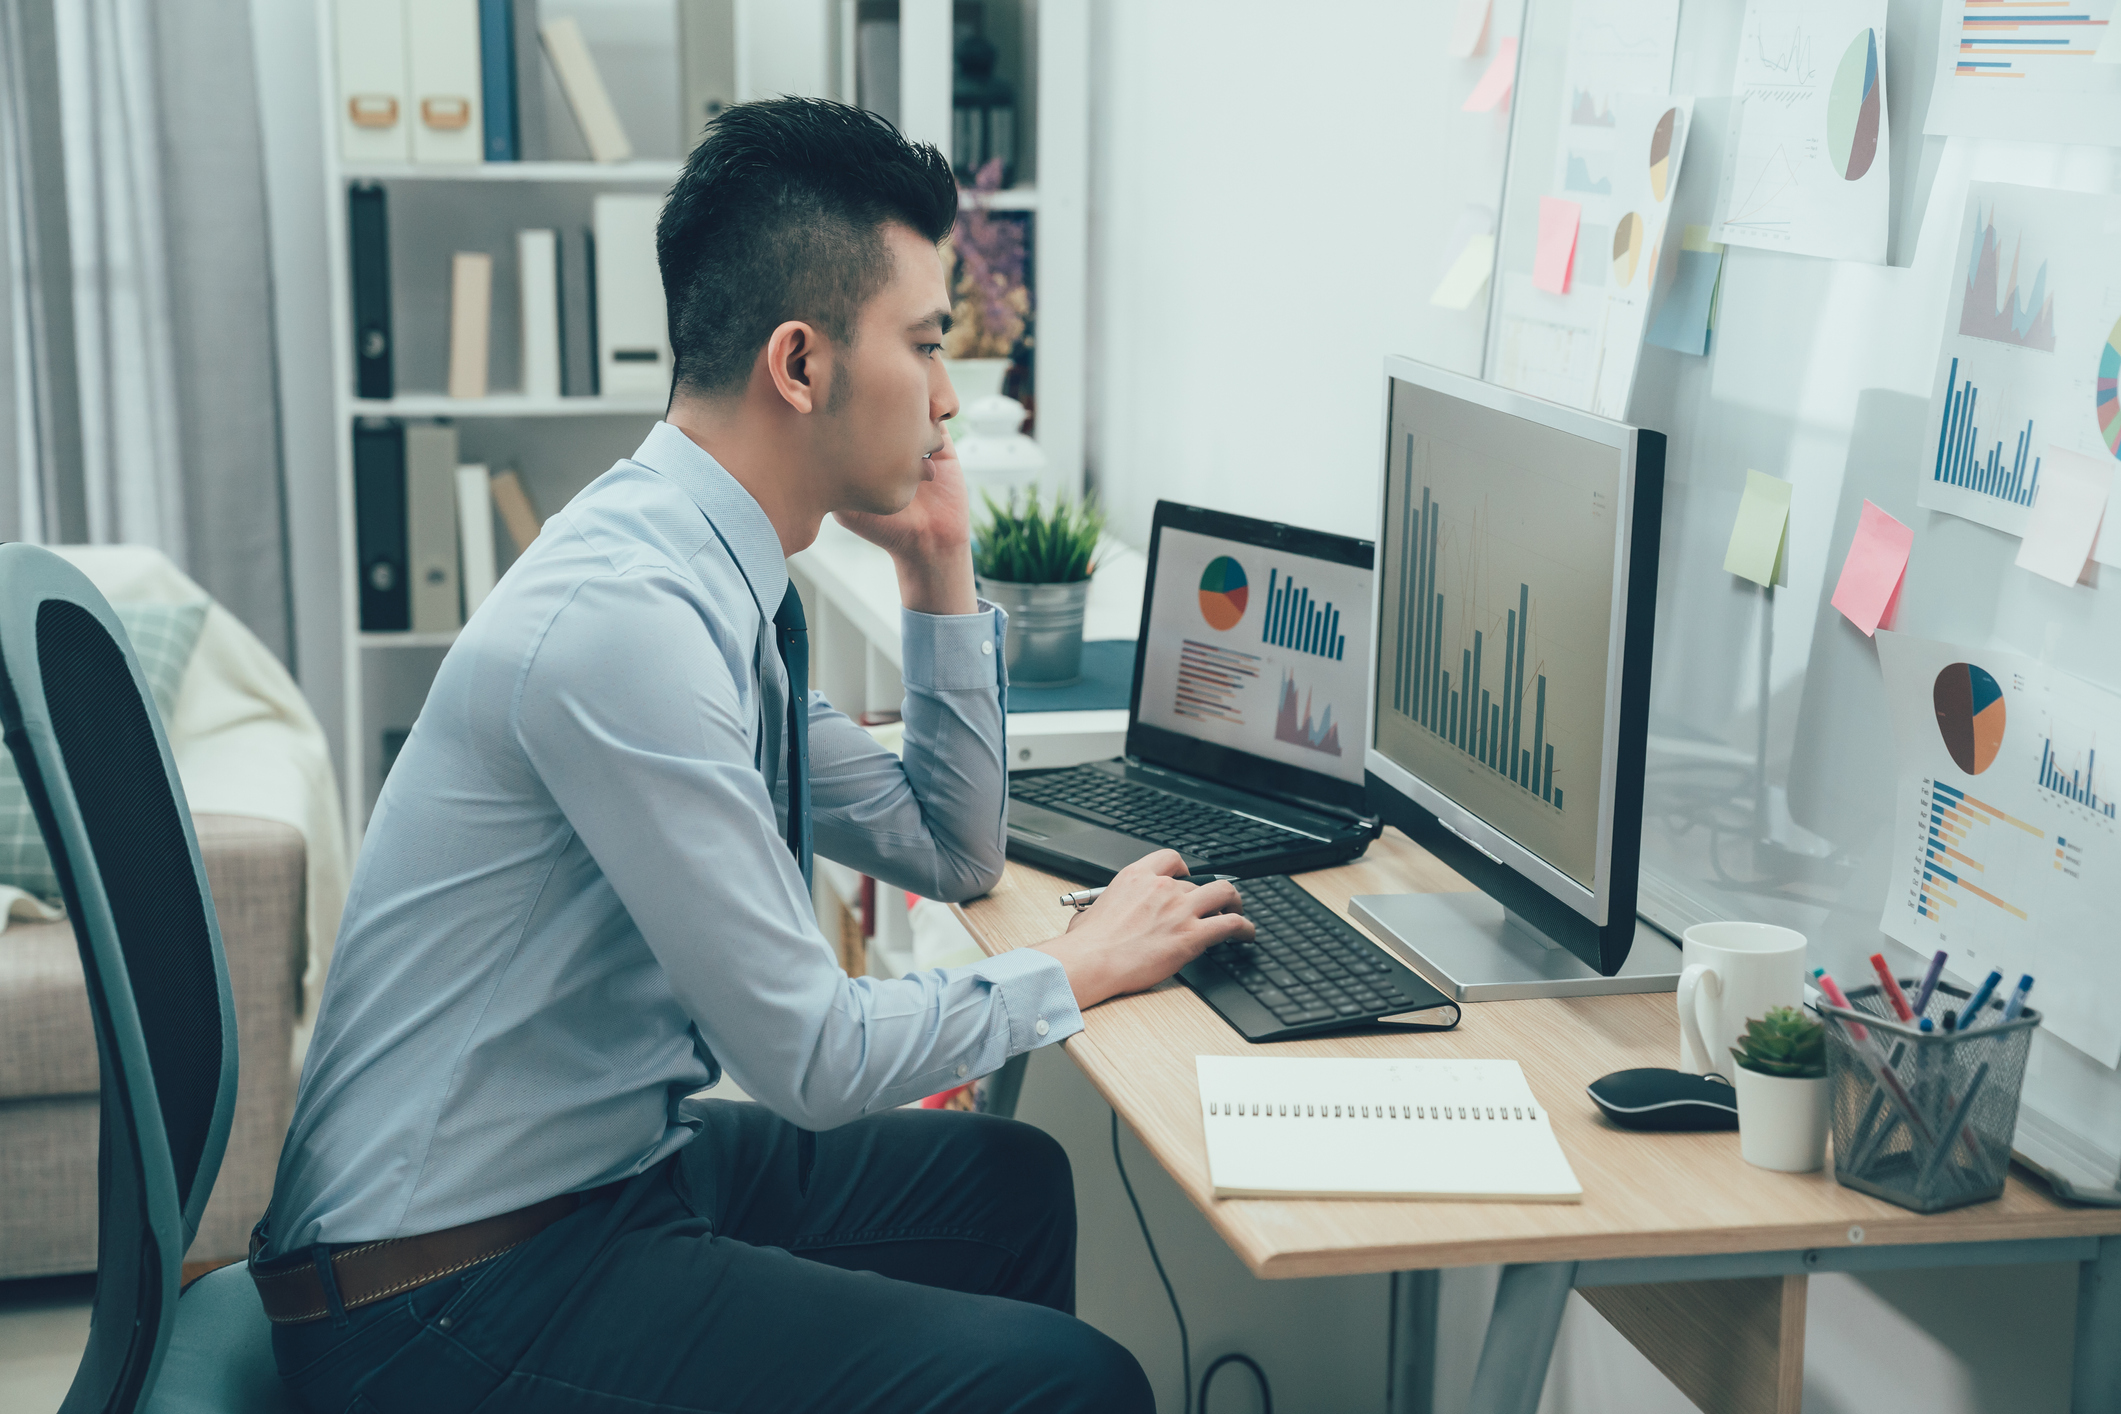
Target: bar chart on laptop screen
[[1498, 585]]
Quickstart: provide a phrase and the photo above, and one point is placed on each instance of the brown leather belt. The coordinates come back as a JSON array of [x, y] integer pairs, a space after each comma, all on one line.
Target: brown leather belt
[[292, 1290]]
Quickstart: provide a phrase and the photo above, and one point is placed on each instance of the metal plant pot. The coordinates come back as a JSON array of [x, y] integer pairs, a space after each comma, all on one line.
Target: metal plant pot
[[1045, 645]]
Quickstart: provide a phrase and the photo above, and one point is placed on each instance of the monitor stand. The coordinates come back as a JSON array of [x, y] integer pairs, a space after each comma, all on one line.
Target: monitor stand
[[1474, 950]]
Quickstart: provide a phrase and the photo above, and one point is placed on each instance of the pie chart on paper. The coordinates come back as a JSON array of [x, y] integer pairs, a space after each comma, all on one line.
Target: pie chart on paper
[[1627, 248], [2109, 391], [1661, 153], [1222, 592], [1969, 716]]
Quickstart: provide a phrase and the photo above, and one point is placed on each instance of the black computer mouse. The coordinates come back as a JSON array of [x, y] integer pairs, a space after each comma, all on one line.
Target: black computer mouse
[[1665, 1099]]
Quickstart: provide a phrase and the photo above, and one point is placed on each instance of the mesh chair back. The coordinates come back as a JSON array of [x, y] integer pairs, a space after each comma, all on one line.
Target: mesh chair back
[[96, 765]]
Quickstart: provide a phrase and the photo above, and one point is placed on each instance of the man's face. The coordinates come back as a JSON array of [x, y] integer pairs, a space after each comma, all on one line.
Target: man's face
[[884, 411]]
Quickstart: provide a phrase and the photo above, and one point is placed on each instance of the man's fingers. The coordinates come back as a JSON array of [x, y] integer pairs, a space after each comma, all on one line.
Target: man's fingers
[[1219, 897], [1227, 928], [1166, 862]]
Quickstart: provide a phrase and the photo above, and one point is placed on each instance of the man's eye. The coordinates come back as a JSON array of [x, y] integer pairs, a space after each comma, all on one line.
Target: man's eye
[[929, 350]]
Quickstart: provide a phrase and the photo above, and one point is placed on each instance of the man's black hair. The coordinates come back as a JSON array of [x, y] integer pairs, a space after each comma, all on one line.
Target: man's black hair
[[779, 215]]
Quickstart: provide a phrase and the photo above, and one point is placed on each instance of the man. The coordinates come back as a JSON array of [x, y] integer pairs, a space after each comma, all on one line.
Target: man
[[583, 895]]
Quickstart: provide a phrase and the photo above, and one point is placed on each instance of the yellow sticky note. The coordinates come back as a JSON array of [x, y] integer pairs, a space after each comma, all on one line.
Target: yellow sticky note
[[1760, 537], [1467, 273], [1697, 238]]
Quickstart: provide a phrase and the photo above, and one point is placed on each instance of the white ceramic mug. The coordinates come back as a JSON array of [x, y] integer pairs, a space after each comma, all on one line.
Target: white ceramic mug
[[1732, 973]]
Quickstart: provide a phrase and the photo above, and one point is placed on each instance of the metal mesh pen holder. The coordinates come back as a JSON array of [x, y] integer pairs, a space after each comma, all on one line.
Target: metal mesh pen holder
[[1924, 1121]]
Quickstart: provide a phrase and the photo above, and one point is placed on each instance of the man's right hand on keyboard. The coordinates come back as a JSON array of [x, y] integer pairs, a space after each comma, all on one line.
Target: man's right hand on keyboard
[[1148, 924]]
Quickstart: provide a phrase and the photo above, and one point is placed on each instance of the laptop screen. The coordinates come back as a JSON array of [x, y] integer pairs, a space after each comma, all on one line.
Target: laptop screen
[[1253, 664]]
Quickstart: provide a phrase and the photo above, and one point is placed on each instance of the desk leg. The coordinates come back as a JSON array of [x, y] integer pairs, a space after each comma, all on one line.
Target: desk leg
[[1513, 1360], [2096, 1381], [1410, 1361]]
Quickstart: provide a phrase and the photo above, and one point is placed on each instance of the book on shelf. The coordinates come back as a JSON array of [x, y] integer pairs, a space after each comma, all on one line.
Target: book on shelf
[[533, 138], [584, 88], [706, 65], [373, 111], [475, 535], [876, 69], [368, 252], [518, 515], [578, 315], [497, 80], [379, 526], [538, 276], [470, 322], [431, 526], [633, 349], [442, 63]]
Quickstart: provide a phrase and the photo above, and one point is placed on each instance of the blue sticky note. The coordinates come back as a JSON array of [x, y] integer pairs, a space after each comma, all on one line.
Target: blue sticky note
[[1682, 320]]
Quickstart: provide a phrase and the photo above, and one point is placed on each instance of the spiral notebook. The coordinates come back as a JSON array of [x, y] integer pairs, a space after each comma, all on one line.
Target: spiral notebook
[[1453, 1130]]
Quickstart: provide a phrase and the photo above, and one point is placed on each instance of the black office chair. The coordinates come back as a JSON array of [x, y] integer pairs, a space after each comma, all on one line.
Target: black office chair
[[96, 765]]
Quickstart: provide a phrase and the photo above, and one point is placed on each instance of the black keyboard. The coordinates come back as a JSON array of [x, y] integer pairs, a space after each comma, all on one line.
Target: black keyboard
[[1307, 970], [1193, 829]]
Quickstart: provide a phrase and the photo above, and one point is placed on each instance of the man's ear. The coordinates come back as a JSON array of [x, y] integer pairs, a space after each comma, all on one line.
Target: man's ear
[[799, 361]]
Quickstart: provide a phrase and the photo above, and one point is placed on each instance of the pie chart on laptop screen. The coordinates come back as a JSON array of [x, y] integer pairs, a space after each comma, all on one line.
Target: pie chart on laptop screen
[[1222, 592]]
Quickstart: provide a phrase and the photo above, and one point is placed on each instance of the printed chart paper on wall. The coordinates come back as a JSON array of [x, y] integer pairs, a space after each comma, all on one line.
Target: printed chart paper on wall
[[2028, 70], [1581, 348], [2005, 844], [1807, 173], [2031, 355]]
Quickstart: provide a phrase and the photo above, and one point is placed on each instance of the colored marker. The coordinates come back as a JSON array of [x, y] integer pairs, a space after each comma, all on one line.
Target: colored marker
[[2016, 1004], [1929, 983], [1971, 1017], [1890, 985], [1928, 1026], [1951, 1022], [1857, 1032]]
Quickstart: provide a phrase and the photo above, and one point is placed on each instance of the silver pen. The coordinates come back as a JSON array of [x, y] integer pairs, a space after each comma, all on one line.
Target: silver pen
[[1083, 898]]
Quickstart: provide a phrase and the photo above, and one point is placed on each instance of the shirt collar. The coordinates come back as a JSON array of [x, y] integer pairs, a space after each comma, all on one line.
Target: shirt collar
[[736, 517]]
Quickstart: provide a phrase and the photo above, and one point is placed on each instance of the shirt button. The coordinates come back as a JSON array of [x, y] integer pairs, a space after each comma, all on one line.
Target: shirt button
[[961, 1069], [1042, 1028], [986, 648]]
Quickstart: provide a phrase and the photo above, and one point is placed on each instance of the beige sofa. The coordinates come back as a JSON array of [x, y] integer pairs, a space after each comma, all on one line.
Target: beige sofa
[[48, 1072]]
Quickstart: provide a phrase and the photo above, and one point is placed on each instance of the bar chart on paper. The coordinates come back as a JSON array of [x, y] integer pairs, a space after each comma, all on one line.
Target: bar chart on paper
[[2007, 851]]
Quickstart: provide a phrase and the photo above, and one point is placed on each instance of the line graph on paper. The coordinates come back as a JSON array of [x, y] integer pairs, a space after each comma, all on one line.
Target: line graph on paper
[[1764, 206]]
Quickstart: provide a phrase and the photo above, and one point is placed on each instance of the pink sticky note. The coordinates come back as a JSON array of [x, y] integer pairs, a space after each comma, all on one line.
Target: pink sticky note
[[1558, 220], [1870, 576], [1493, 90], [1469, 28]]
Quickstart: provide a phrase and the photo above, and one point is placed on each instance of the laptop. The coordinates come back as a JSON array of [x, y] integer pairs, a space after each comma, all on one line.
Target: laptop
[[1249, 716]]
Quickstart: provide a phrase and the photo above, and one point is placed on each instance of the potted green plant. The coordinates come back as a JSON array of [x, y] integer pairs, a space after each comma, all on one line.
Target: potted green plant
[[1036, 564], [1783, 1100]]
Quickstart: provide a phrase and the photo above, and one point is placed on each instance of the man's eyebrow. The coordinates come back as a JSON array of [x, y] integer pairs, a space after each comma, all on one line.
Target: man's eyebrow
[[936, 319]]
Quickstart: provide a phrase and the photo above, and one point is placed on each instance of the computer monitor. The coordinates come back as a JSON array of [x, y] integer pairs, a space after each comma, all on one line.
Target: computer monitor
[[1510, 679]]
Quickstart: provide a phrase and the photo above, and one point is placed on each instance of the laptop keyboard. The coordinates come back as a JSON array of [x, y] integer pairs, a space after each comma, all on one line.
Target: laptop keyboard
[[1306, 963], [1202, 831]]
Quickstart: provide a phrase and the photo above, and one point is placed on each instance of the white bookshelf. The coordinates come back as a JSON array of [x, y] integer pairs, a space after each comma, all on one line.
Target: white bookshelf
[[782, 47]]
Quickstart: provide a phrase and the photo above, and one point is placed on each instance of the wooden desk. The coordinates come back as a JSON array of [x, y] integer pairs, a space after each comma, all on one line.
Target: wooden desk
[[1658, 1208]]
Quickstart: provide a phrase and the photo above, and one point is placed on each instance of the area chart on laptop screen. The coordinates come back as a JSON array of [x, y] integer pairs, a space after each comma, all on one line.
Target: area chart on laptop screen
[[1258, 650], [1497, 594]]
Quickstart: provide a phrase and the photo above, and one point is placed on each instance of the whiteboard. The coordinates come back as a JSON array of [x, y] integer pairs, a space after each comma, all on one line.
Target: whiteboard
[[1770, 779]]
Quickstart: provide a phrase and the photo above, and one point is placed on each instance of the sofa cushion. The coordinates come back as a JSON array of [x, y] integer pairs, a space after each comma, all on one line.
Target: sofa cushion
[[47, 1041], [163, 637]]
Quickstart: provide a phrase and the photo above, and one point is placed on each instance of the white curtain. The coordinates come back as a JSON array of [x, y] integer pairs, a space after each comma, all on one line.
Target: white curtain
[[25, 407], [123, 338]]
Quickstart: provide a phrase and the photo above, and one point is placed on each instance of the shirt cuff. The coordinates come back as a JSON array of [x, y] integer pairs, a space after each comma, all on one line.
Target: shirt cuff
[[1035, 996], [952, 652]]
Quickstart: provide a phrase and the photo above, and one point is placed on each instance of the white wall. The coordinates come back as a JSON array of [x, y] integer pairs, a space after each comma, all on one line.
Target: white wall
[[1272, 190]]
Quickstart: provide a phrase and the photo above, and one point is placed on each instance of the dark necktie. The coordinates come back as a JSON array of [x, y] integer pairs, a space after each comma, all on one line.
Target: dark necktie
[[790, 635]]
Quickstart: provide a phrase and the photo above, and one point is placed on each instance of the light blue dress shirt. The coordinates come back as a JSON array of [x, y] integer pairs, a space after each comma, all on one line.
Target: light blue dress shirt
[[575, 906]]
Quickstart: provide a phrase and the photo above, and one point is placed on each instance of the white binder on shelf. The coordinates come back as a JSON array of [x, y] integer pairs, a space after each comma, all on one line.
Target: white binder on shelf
[[375, 118], [633, 348], [475, 534], [538, 273], [442, 59], [707, 65], [431, 526]]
